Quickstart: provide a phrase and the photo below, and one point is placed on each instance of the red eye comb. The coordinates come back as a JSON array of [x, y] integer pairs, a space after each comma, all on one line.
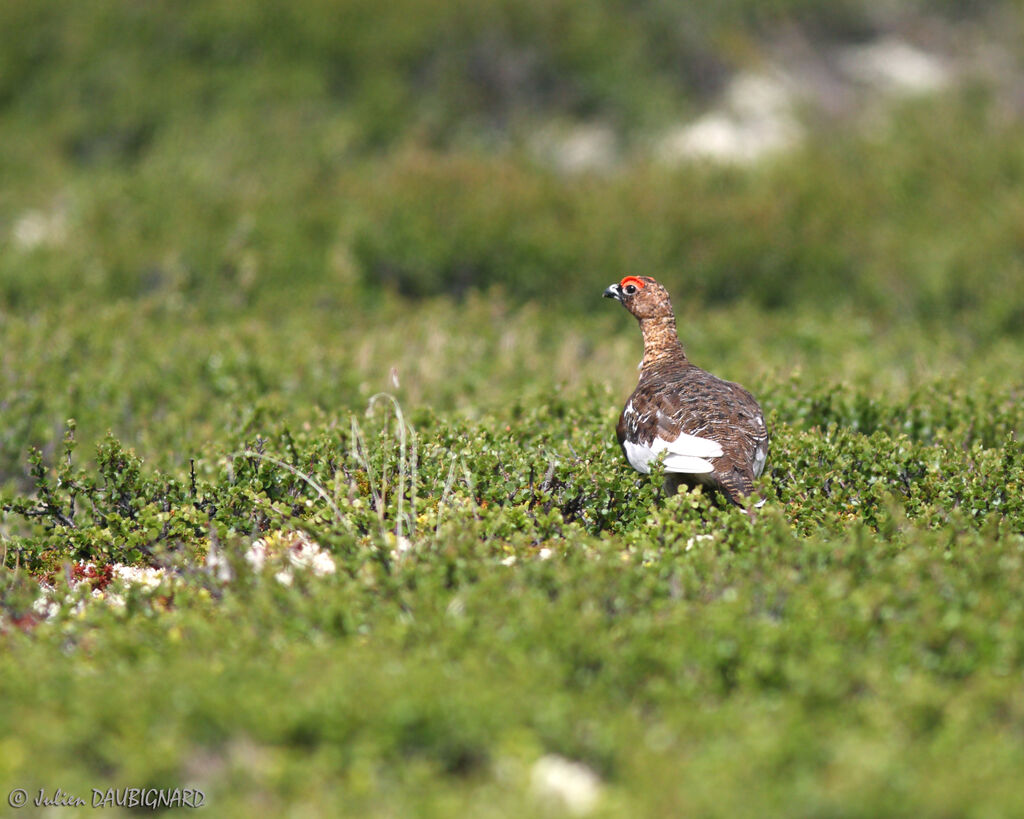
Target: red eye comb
[[631, 280]]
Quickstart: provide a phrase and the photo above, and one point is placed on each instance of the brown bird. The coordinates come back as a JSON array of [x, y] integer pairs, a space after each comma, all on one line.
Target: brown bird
[[711, 431]]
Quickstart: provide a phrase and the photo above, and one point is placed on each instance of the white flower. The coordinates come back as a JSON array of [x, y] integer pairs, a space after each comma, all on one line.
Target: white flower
[[402, 546]]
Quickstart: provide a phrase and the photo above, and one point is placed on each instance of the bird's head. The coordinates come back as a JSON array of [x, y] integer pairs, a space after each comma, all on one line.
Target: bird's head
[[642, 296]]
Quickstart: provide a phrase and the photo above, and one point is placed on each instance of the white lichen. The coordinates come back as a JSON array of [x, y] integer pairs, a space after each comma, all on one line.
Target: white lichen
[[295, 550]]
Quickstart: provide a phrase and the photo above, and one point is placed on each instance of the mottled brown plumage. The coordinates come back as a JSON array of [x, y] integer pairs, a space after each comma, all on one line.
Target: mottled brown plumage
[[712, 431]]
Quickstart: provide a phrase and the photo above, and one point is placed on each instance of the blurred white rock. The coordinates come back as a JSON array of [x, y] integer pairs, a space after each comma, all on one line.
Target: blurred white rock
[[575, 149], [563, 783], [755, 119], [893, 66], [38, 228]]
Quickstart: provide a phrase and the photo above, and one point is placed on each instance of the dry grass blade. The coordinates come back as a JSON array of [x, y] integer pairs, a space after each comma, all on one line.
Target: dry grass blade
[[250, 453], [407, 465]]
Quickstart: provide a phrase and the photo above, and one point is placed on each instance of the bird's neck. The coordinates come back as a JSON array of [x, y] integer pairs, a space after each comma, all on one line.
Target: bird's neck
[[661, 342]]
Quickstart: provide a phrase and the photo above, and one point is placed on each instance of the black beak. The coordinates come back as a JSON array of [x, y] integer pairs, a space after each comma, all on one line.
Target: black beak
[[613, 292]]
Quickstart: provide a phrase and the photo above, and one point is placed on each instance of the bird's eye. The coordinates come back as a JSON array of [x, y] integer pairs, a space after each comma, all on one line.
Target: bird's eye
[[629, 289]]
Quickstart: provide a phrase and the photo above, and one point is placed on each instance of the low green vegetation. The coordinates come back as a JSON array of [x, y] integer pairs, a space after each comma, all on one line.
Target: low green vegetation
[[262, 284]]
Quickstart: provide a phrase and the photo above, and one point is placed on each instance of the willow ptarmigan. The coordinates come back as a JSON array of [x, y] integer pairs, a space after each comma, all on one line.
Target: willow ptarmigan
[[711, 431]]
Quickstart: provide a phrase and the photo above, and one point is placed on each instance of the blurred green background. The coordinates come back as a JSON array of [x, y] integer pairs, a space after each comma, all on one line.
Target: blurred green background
[[227, 153]]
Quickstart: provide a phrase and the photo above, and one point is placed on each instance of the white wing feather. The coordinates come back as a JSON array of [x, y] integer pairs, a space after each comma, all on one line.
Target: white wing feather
[[687, 464], [686, 454]]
